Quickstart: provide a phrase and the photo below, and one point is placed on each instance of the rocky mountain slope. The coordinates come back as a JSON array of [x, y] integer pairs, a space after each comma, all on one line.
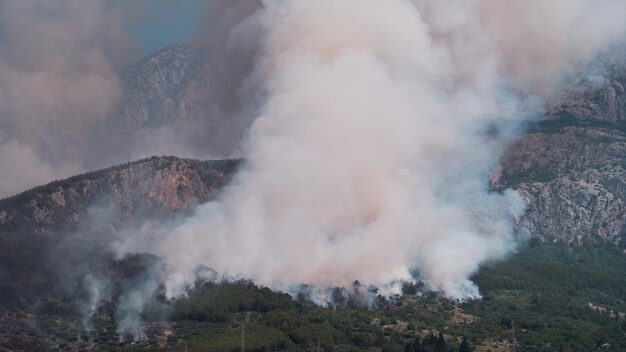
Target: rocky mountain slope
[[571, 166], [150, 187], [179, 91], [34, 224]]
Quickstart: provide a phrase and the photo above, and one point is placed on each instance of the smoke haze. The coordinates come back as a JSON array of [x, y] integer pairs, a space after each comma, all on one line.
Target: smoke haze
[[64, 90], [378, 125], [375, 127], [57, 68]]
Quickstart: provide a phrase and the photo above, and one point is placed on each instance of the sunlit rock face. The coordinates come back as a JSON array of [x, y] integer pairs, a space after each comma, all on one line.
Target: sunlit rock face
[[147, 188], [45, 228]]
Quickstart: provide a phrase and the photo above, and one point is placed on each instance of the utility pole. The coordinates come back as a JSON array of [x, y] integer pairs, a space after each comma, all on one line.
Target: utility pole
[[243, 337], [513, 339]]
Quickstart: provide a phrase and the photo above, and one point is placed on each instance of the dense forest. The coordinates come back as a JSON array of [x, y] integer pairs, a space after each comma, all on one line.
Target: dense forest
[[547, 297]]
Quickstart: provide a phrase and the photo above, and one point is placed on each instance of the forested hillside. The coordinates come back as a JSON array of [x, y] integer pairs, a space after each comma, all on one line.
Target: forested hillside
[[545, 298]]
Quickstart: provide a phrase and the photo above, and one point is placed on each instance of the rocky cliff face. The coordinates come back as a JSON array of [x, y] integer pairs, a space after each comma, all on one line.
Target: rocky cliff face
[[146, 188], [571, 166], [54, 235], [52, 226], [178, 92]]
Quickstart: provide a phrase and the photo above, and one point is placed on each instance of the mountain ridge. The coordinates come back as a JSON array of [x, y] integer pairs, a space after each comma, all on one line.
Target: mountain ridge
[[570, 166], [81, 215], [578, 146], [177, 91]]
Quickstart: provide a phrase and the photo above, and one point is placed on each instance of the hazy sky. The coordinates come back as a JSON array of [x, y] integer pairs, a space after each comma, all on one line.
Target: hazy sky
[[167, 22]]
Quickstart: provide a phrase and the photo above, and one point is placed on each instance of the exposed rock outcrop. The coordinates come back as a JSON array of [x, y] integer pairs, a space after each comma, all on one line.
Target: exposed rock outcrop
[[571, 166], [147, 188], [48, 227], [177, 93]]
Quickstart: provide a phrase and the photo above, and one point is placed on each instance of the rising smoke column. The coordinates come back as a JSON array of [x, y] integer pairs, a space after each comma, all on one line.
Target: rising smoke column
[[58, 86], [379, 124], [537, 43]]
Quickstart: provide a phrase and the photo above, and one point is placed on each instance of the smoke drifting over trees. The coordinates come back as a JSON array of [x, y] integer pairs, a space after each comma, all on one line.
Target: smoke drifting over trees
[[378, 125], [374, 128]]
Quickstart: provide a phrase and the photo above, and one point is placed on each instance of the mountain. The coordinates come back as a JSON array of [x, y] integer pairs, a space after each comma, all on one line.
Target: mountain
[[149, 187], [53, 235], [571, 166], [181, 90], [87, 209]]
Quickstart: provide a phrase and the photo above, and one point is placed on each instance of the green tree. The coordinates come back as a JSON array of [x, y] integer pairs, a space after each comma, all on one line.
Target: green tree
[[441, 346], [417, 345], [465, 347]]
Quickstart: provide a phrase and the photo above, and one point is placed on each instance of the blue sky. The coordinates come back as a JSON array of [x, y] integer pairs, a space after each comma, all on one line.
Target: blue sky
[[167, 22]]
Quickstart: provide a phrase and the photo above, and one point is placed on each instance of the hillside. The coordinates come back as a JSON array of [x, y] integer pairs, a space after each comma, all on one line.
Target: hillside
[[91, 207], [571, 165], [178, 93], [546, 298]]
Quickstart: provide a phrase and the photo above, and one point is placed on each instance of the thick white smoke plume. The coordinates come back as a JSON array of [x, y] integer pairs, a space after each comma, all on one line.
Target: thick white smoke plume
[[379, 124]]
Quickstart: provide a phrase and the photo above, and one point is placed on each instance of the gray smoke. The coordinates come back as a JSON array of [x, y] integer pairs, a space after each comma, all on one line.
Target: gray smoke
[[376, 126], [62, 104], [133, 301], [379, 123], [58, 87], [98, 291]]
